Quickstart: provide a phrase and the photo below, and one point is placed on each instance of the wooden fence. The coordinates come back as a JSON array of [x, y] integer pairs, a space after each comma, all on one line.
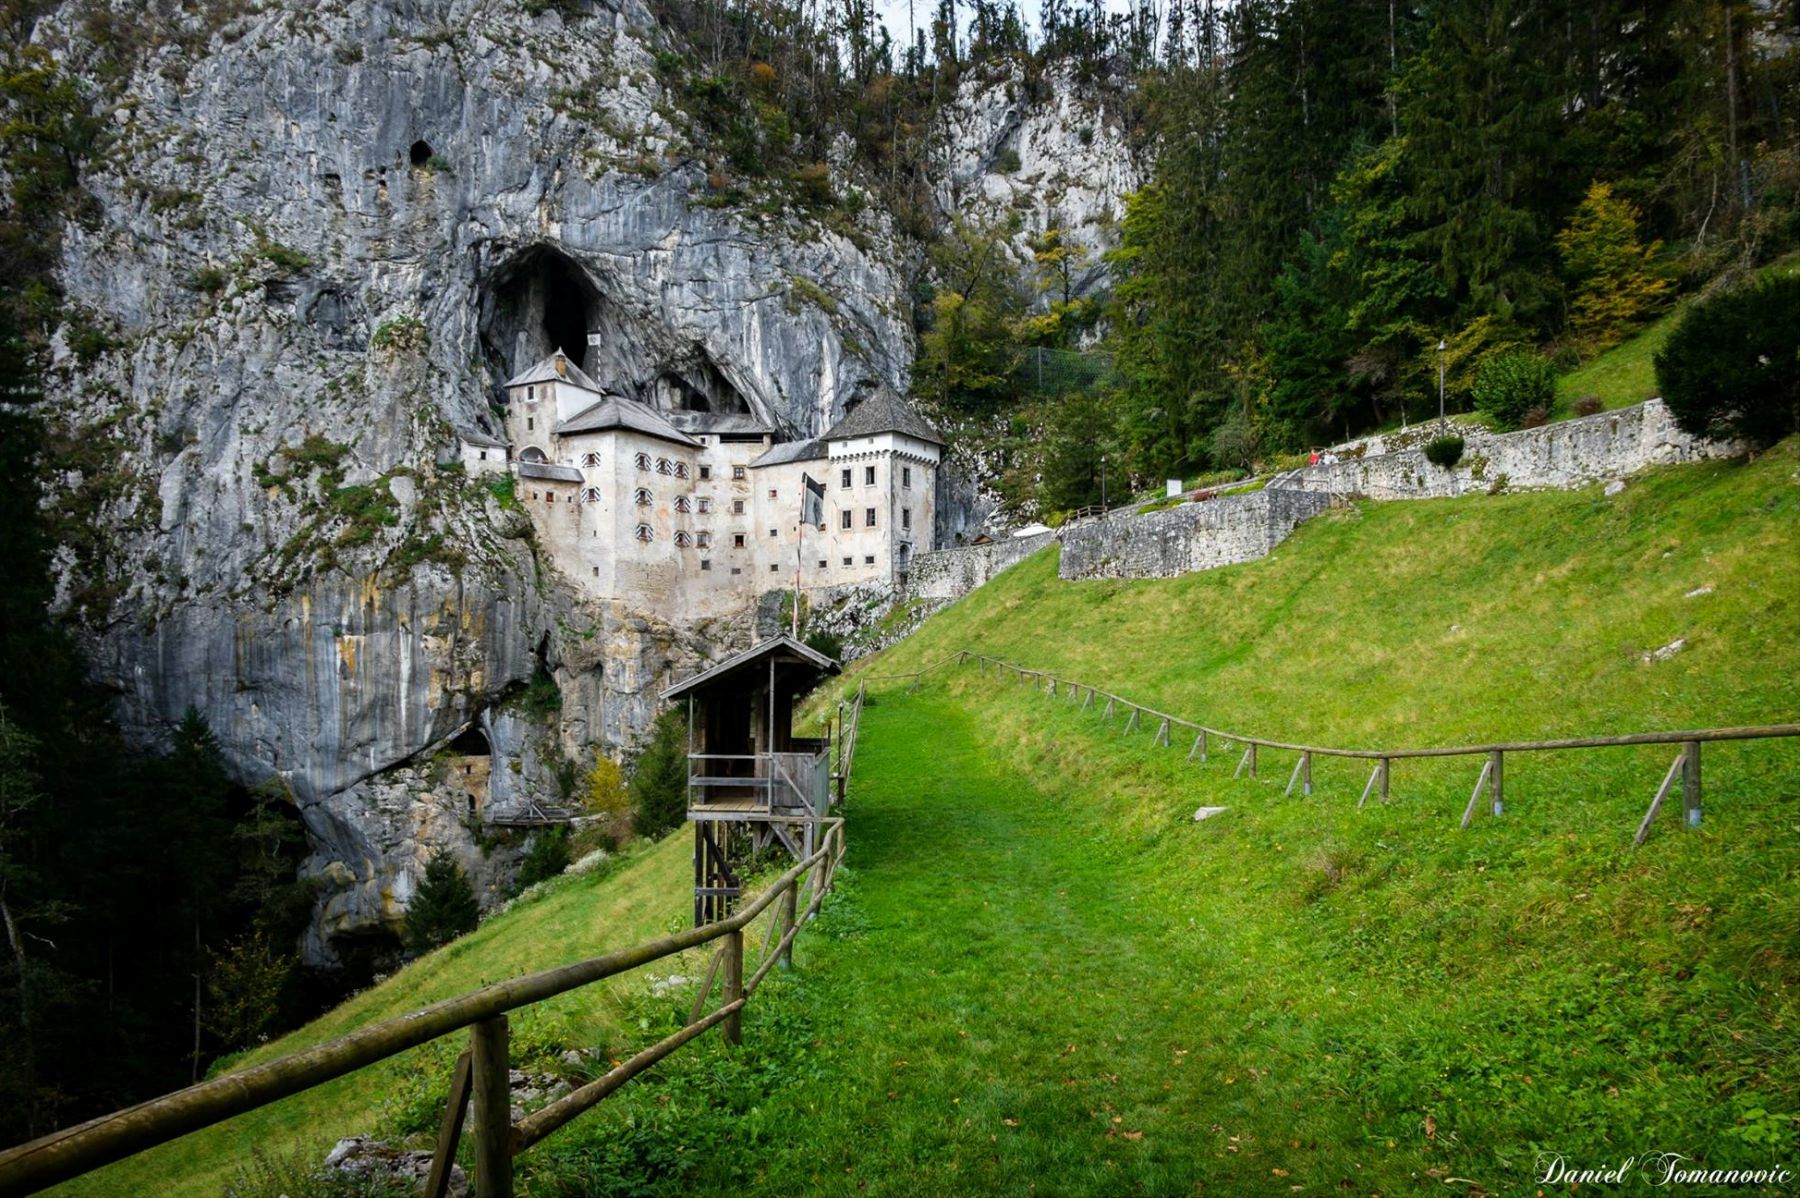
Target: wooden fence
[[480, 1073], [1491, 780]]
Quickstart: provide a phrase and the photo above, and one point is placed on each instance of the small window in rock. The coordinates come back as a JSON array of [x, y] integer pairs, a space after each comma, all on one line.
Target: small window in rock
[[421, 153]]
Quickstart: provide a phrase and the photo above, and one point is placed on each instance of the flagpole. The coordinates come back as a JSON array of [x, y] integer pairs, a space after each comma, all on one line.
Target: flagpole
[[799, 552]]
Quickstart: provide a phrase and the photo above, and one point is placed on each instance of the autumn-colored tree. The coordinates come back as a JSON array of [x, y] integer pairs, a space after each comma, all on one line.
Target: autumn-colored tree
[[1616, 284]]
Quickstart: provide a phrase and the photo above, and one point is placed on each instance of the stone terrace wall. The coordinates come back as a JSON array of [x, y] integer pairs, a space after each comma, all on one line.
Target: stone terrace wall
[[1193, 536], [1569, 453], [952, 573]]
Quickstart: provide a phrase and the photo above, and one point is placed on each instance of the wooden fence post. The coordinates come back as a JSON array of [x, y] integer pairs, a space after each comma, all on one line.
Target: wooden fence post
[[790, 904], [1306, 773], [1199, 746], [1374, 776], [1662, 792], [1690, 783], [1487, 770], [1131, 724], [492, 1067], [1162, 734], [1295, 776], [456, 1107], [734, 986], [1496, 783], [1384, 779]]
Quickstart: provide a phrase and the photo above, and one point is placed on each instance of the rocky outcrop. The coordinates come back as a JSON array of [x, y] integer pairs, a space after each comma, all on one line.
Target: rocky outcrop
[[316, 248], [1030, 152]]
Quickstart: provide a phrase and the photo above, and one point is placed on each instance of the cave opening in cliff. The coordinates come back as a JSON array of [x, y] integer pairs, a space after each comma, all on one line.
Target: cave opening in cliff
[[540, 302], [420, 154], [697, 386], [471, 742]]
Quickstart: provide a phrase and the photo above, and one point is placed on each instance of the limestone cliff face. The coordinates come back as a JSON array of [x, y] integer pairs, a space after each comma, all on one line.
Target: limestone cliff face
[[1033, 154], [316, 248]]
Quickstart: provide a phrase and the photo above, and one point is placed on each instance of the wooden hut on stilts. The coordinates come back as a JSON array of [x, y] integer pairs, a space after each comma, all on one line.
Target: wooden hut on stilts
[[751, 782]]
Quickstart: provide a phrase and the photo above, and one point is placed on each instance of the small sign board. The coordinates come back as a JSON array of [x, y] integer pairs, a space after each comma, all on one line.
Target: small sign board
[[1173, 486], [594, 338]]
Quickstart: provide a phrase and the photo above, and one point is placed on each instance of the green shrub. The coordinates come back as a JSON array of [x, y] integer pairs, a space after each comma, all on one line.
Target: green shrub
[[209, 279], [1588, 405], [1444, 451], [1007, 162], [1731, 368], [546, 859], [659, 783], [443, 907], [828, 643], [1507, 387]]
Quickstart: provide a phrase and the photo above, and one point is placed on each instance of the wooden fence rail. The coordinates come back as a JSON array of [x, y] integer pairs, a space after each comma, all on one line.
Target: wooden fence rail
[[482, 1073], [1687, 764]]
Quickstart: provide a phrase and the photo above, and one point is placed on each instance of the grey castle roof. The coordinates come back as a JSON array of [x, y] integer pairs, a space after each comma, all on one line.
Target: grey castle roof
[[549, 472], [716, 422], [617, 412], [555, 369], [475, 436], [882, 412], [790, 451]]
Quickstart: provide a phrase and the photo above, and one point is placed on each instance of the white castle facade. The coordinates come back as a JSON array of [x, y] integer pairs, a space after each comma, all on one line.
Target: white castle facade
[[693, 514]]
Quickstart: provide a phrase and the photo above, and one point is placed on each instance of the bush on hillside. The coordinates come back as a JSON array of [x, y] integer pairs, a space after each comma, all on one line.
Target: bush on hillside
[[1444, 451], [546, 859], [659, 783], [828, 643], [1508, 387], [1731, 368], [443, 907], [1588, 405]]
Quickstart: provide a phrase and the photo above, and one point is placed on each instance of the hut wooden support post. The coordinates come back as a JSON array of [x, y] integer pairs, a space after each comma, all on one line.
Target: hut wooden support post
[[492, 1069]]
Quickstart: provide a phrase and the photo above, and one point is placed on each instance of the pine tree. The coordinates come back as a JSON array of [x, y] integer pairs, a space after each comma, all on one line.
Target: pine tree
[[442, 908], [1615, 284], [659, 782]]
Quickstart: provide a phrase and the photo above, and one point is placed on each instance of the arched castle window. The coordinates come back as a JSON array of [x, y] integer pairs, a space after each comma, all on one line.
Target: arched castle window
[[590, 494], [590, 459], [684, 538], [664, 466], [642, 497], [683, 504], [644, 533], [643, 461], [532, 453], [681, 469]]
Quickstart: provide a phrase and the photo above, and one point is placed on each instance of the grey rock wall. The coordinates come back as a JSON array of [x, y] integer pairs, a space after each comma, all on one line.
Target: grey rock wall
[[1189, 537], [952, 573]]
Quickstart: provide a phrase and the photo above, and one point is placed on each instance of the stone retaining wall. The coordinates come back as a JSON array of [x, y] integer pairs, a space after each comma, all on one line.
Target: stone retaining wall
[[1567, 454], [952, 573], [1193, 536]]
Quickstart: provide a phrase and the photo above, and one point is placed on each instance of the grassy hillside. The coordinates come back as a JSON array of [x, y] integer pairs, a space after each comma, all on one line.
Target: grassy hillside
[[1043, 977], [1049, 979], [647, 895]]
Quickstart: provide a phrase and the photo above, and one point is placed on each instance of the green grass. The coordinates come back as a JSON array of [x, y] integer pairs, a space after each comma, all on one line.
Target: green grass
[[1623, 375], [644, 896], [1042, 977], [1048, 979]]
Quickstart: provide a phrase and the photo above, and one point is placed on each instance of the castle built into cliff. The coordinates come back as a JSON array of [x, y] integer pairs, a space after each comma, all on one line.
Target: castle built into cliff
[[693, 513]]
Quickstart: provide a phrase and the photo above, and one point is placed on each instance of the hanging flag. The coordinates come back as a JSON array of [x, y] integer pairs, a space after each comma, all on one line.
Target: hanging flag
[[812, 501]]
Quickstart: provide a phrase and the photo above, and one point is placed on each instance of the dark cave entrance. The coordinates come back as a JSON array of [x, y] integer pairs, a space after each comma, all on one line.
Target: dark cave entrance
[[540, 302], [697, 386]]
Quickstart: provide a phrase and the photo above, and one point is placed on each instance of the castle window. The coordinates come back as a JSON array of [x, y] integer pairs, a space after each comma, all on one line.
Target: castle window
[[703, 539], [736, 570], [681, 470], [868, 517], [774, 566], [868, 476], [705, 504], [869, 560], [549, 496], [684, 538], [531, 393], [737, 540], [530, 423], [596, 571], [590, 495], [844, 521], [683, 504], [737, 472], [706, 563], [844, 478], [643, 498], [823, 563], [664, 466], [906, 476], [590, 459], [532, 453], [643, 461], [737, 507], [847, 561], [774, 532], [771, 492], [484, 455], [905, 517], [644, 533], [705, 473]]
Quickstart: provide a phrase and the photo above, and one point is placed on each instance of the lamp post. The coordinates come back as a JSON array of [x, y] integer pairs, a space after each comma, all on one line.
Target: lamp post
[[1102, 484], [1441, 348]]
